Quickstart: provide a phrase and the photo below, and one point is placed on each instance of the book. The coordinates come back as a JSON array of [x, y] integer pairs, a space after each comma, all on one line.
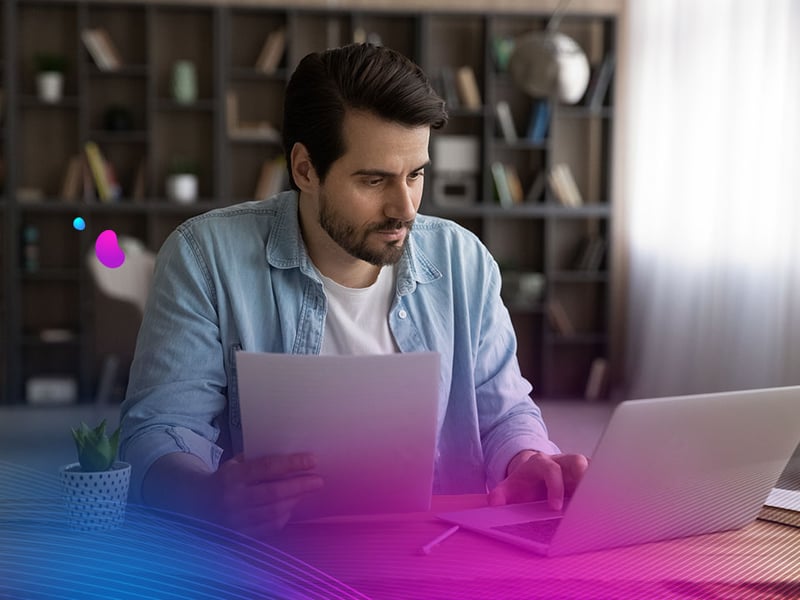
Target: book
[[514, 184], [596, 381], [780, 515], [537, 188], [594, 255], [263, 131], [449, 88], [505, 120], [599, 84], [468, 92], [114, 187], [101, 49], [590, 253], [95, 49], [557, 188], [97, 166], [272, 51], [782, 506], [139, 188], [539, 122], [563, 185], [231, 111], [71, 184], [247, 130], [89, 190], [501, 184], [564, 173], [558, 318], [109, 48], [30, 194]]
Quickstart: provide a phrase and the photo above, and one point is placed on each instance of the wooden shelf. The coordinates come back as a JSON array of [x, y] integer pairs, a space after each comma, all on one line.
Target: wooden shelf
[[223, 40]]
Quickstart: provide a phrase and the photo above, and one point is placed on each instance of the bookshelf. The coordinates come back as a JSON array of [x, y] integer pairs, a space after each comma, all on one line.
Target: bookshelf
[[131, 113]]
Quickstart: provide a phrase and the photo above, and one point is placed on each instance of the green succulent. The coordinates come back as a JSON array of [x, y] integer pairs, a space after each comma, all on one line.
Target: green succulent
[[96, 451], [47, 62]]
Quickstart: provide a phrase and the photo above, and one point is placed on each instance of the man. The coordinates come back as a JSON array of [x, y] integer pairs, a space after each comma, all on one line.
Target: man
[[340, 264]]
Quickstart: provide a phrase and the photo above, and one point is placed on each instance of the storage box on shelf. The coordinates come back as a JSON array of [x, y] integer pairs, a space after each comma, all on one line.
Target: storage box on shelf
[[202, 85]]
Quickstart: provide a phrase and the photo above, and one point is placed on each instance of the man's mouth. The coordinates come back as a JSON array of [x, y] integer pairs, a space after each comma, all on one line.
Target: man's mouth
[[394, 234]]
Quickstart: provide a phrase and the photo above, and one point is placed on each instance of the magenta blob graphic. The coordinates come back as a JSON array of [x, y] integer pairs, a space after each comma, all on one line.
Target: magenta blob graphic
[[108, 251]]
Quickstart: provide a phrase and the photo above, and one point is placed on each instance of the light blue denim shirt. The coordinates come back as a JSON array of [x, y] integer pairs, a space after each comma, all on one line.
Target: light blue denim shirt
[[240, 278]]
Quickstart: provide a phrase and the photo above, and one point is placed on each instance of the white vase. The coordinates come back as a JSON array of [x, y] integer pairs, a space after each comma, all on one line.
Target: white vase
[[184, 82], [95, 501], [182, 188], [50, 85]]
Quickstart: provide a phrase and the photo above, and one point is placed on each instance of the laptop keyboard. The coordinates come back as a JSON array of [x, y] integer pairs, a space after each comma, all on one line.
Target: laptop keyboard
[[535, 531]]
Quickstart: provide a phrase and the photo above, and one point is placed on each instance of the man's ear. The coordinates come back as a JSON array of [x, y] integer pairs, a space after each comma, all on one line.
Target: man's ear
[[303, 171]]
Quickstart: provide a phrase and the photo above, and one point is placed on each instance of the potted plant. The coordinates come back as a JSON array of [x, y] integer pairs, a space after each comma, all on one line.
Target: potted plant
[[182, 183], [50, 76], [95, 487]]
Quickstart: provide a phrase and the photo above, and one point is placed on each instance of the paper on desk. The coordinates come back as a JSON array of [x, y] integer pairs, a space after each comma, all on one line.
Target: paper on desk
[[369, 420], [786, 499]]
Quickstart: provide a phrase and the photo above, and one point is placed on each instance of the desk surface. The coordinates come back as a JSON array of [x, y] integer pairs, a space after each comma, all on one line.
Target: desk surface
[[381, 557], [369, 557]]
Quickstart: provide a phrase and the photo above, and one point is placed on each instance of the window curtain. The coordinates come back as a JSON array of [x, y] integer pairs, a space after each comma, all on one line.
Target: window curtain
[[711, 180]]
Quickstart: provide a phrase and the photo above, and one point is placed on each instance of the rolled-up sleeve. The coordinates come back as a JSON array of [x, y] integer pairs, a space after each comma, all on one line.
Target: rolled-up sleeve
[[509, 420], [177, 384]]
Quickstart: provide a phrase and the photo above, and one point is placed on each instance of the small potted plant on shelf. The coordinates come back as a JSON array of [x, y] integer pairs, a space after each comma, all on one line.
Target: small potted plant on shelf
[[96, 487], [182, 181], [50, 69]]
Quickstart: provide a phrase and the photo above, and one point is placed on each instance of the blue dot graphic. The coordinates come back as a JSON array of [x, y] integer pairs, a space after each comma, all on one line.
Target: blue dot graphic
[[78, 223]]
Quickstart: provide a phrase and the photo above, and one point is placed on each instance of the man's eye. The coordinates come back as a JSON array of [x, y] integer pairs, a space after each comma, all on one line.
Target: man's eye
[[417, 175], [374, 181]]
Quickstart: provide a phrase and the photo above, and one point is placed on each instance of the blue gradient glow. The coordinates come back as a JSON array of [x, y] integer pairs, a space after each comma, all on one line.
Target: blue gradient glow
[[154, 555]]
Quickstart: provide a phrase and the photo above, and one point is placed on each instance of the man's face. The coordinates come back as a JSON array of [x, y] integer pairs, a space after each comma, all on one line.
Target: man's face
[[370, 196]]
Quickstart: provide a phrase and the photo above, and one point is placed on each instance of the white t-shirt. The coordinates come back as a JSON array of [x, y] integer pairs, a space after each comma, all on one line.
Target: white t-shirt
[[357, 321]]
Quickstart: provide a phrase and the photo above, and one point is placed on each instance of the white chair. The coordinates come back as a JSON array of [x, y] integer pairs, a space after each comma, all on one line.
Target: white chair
[[129, 283]]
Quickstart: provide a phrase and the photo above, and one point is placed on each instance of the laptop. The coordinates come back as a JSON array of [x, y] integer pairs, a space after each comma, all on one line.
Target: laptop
[[369, 420], [664, 468]]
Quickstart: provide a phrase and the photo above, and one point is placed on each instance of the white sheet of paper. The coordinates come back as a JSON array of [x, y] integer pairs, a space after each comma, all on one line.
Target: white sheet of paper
[[787, 499], [369, 420]]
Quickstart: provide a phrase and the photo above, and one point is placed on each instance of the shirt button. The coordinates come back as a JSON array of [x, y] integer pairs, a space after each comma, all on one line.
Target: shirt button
[[402, 314]]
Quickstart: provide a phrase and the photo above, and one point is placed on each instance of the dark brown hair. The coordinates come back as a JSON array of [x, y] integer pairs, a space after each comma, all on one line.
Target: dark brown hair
[[356, 77]]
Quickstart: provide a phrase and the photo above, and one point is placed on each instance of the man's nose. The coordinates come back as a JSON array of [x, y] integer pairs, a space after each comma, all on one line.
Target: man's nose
[[402, 203]]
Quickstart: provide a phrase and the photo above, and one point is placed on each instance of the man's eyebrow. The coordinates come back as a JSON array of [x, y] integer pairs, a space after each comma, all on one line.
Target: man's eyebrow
[[382, 173]]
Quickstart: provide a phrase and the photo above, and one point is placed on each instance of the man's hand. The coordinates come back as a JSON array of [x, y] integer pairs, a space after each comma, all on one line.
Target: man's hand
[[257, 496], [533, 476], [254, 496]]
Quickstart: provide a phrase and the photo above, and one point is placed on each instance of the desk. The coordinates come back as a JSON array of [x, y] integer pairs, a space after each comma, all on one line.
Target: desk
[[157, 556], [380, 556]]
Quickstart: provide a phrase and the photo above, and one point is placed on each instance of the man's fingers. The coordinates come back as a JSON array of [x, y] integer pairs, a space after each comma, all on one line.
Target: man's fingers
[[551, 473], [285, 489], [497, 496], [574, 467], [270, 492], [267, 506]]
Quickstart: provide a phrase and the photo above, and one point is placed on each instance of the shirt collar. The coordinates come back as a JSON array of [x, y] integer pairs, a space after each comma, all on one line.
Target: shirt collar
[[285, 249]]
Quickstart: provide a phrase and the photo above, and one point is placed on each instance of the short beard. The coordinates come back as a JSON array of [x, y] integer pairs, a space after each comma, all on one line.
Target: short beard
[[355, 242]]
